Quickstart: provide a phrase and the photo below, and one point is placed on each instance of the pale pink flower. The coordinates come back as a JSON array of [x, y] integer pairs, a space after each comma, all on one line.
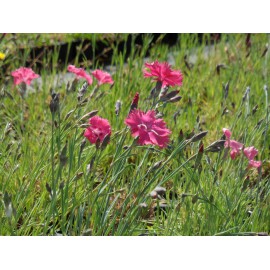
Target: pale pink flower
[[163, 73], [98, 129], [255, 164], [102, 77], [236, 147], [250, 153], [148, 128], [235, 152], [24, 74], [80, 73], [227, 133]]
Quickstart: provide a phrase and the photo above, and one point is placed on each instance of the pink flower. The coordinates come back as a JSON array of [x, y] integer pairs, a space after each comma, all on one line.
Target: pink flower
[[163, 73], [24, 74], [255, 164], [227, 133], [250, 153], [236, 151], [234, 145], [102, 77], [80, 73], [148, 128], [99, 128]]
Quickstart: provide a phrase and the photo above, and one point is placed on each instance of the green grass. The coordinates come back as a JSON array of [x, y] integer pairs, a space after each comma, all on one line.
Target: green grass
[[205, 195]]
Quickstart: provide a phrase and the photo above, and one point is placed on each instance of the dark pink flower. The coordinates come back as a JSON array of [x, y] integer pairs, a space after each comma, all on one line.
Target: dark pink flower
[[236, 147], [102, 77], [250, 153], [24, 74], [99, 128], [80, 73], [148, 128], [163, 73]]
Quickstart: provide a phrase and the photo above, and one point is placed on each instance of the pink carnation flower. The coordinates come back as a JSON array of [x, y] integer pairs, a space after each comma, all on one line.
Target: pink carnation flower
[[250, 153], [102, 77], [80, 73], [148, 128], [163, 73], [99, 128], [234, 145], [24, 74]]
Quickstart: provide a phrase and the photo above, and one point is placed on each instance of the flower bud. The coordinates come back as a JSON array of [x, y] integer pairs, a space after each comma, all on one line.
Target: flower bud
[[118, 105], [105, 141], [216, 146], [246, 94], [175, 99], [199, 136], [82, 91], [54, 104], [134, 104], [169, 96]]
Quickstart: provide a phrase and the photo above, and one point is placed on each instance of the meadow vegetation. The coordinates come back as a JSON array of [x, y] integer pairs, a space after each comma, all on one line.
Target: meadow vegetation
[[57, 178]]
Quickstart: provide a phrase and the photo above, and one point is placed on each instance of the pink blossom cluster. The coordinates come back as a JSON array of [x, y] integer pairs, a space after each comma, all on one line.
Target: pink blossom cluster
[[250, 153], [145, 125], [26, 75], [237, 149]]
